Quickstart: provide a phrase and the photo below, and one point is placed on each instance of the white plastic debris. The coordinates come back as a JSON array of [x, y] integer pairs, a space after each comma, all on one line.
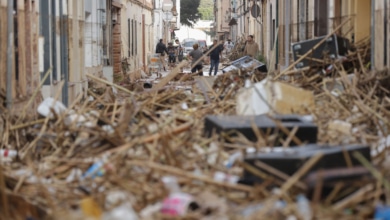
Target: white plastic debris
[[5, 153], [304, 208], [383, 144], [108, 128], [50, 103], [184, 106], [340, 126], [74, 174], [74, 118], [150, 210], [233, 158], [170, 183], [224, 177], [123, 211]]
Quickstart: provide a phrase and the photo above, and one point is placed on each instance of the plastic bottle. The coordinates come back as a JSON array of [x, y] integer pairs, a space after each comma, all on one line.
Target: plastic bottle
[[304, 209], [97, 169], [4, 153], [177, 203]]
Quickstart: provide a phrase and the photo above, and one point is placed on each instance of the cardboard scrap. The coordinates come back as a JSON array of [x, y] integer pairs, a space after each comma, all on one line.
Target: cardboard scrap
[[274, 97]]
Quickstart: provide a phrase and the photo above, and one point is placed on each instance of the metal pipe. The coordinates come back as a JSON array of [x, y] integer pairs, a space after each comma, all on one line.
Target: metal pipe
[[373, 35], [10, 52], [385, 37], [287, 34], [277, 39]]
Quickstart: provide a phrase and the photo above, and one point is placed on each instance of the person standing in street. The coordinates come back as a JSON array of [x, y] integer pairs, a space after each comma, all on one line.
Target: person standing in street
[[251, 47], [161, 49], [171, 55], [228, 46], [215, 56], [196, 55], [179, 51]]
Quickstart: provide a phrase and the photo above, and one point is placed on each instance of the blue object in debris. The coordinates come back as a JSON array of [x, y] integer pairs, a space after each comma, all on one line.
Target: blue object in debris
[[382, 212]]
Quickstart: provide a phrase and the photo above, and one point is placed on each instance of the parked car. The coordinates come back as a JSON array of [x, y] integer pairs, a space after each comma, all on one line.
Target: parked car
[[202, 45], [187, 45]]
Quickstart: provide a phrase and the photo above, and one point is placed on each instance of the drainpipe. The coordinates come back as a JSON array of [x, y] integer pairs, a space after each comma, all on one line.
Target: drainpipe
[[10, 51], [277, 39], [373, 35], [64, 51], [287, 33], [385, 37]]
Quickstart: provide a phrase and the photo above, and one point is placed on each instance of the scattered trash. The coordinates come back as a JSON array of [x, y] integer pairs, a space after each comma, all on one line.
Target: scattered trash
[[155, 136]]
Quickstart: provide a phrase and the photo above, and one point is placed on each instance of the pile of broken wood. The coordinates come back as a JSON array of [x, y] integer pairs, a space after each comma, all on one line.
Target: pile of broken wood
[[144, 135]]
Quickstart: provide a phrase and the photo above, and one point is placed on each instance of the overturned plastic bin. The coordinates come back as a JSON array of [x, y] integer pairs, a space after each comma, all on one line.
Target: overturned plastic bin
[[245, 62], [334, 47], [290, 160], [306, 130]]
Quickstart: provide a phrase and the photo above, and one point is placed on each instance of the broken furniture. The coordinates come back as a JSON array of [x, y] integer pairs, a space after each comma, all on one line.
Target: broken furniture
[[334, 47], [306, 131], [246, 62], [291, 160]]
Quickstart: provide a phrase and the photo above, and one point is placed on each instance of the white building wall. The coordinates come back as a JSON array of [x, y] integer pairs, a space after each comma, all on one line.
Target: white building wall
[[158, 24], [269, 38], [134, 35]]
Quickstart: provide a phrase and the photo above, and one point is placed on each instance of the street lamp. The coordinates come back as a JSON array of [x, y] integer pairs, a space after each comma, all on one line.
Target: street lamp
[[166, 8]]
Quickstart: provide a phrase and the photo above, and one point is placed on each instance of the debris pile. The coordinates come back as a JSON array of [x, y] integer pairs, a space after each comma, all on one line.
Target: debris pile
[[149, 153]]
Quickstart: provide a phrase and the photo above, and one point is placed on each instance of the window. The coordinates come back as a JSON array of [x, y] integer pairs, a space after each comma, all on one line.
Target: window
[[135, 38], [321, 17], [129, 37], [272, 27], [132, 34]]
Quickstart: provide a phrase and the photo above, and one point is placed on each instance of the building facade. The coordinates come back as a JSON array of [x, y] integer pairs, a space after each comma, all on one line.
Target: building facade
[[67, 39], [277, 24], [222, 14]]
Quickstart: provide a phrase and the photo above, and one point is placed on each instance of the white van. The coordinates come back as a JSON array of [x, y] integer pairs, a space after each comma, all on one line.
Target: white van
[[187, 45]]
